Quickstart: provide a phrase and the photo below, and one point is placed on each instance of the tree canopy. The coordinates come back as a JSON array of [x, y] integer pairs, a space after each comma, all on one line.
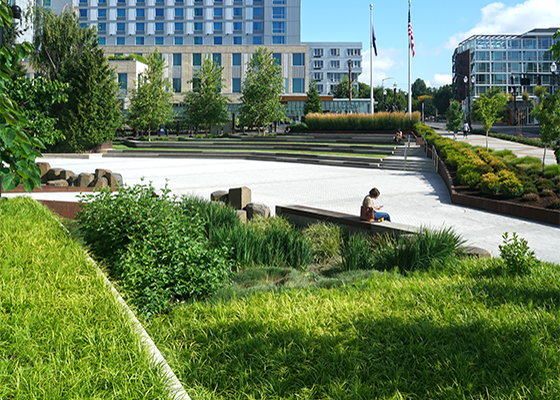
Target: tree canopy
[[547, 113], [313, 101], [150, 102], [341, 90], [487, 108], [205, 104], [261, 91], [419, 88], [455, 116]]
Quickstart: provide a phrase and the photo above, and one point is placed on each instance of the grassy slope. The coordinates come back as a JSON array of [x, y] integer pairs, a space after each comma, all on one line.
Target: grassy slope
[[470, 334], [62, 333]]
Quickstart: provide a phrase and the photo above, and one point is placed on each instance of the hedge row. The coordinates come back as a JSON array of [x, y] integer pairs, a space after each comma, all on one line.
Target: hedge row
[[362, 122]]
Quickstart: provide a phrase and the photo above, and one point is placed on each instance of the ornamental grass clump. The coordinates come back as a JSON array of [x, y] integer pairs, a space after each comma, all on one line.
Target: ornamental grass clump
[[325, 239], [361, 122]]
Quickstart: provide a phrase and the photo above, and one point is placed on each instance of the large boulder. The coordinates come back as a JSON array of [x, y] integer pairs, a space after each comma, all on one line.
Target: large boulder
[[99, 183], [114, 179], [44, 168], [242, 215], [53, 174], [239, 197], [66, 174], [254, 209], [84, 179], [58, 182], [100, 173], [219, 195], [72, 179]]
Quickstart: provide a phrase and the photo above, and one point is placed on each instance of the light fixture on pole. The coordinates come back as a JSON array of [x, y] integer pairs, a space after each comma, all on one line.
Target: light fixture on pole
[[395, 96], [553, 70], [384, 98]]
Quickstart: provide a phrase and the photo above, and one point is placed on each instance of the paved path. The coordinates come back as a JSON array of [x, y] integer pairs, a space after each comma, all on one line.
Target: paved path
[[416, 198]]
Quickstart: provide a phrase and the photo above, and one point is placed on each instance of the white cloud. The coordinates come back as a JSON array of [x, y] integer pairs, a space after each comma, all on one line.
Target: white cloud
[[439, 80], [496, 18], [383, 64]]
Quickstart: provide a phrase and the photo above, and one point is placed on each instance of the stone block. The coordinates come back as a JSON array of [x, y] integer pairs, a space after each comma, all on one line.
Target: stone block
[[242, 215], [477, 252], [219, 195], [84, 179], [72, 179], [100, 173], [57, 182], [65, 174], [44, 168], [254, 209], [114, 179], [99, 183], [239, 197], [53, 174]]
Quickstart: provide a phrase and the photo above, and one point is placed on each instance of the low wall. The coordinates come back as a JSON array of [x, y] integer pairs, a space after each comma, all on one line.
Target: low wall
[[302, 216], [66, 209]]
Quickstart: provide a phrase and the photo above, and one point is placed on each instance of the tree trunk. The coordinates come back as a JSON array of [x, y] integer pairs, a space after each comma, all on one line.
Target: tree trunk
[[544, 157]]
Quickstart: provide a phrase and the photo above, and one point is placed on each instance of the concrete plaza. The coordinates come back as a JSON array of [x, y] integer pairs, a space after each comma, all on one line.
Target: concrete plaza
[[415, 198]]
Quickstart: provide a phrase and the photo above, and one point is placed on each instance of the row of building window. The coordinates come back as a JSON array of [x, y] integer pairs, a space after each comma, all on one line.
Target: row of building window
[[197, 40], [218, 27], [335, 64], [216, 2], [335, 52], [516, 67], [543, 43], [179, 13], [511, 56], [503, 79]]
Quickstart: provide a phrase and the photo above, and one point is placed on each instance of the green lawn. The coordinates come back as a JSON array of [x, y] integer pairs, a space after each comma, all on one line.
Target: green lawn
[[469, 333], [62, 333]]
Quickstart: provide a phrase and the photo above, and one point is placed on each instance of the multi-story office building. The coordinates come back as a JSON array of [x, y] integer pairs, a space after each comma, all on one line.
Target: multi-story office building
[[493, 60], [330, 62]]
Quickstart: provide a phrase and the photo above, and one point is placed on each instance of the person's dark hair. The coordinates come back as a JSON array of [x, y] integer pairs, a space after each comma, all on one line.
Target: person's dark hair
[[374, 193]]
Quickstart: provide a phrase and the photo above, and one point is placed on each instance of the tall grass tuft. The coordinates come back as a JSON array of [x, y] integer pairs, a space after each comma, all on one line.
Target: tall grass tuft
[[325, 239], [382, 121], [356, 253], [213, 215]]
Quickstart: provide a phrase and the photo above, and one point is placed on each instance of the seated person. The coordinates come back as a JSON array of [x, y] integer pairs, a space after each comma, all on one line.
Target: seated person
[[369, 212]]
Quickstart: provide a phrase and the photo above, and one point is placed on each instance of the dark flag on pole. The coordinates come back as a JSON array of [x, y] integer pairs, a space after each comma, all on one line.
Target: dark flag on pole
[[373, 40], [411, 36]]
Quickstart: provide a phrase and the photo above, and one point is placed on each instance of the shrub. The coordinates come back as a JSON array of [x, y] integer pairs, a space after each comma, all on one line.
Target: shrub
[[428, 248], [356, 253], [528, 185], [530, 197], [489, 184], [299, 127], [468, 175], [550, 171], [361, 122], [554, 204], [543, 183], [510, 186], [516, 257], [547, 193], [325, 239]]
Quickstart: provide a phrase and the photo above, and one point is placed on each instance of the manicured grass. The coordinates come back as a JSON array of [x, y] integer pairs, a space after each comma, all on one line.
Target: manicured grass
[[469, 332], [62, 333]]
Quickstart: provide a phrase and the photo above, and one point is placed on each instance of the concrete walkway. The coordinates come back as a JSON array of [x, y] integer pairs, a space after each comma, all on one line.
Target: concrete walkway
[[415, 198]]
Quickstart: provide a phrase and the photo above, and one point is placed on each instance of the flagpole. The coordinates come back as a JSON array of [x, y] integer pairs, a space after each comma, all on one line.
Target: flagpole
[[371, 60], [409, 67]]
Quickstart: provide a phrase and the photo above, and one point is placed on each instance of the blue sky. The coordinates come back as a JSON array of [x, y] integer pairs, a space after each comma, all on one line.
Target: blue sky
[[438, 26]]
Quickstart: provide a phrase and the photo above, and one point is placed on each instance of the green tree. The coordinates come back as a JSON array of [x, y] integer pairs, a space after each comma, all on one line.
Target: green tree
[[487, 108], [313, 102], [555, 48], [205, 104], [547, 112], [71, 55], [261, 91], [341, 90], [18, 151], [419, 88], [442, 96], [455, 116], [150, 103]]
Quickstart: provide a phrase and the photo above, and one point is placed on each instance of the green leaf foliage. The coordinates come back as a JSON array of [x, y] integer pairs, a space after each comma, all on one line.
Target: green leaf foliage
[[313, 101], [455, 116], [487, 108]]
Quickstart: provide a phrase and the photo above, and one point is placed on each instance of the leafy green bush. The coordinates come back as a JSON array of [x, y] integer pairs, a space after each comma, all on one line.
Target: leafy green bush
[[468, 175], [489, 184], [543, 183], [428, 248], [550, 171], [554, 204], [516, 256], [159, 253], [299, 127], [510, 186], [325, 239]]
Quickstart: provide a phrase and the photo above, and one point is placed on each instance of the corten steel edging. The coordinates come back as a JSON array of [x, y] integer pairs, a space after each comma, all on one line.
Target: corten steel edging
[[66, 209]]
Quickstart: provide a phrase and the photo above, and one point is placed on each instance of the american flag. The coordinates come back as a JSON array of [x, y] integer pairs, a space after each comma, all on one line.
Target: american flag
[[410, 34]]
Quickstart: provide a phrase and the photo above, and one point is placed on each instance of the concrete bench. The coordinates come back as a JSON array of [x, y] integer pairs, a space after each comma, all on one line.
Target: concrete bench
[[302, 216]]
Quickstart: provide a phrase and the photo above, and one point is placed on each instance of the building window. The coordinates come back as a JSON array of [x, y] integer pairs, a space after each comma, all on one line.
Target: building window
[[238, 26], [121, 13], [179, 40], [102, 13], [122, 79], [218, 27], [257, 26], [217, 58], [102, 27], [198, 12], [179, 13], [218, 12], [179, 27], [159, 27], [139, 41], [236, 85], [179, 1], [83, 13], [83, 25], [237, 12], [121, 1], [198, 26], [160, 13], [257, 12], [102, 41], [160, 1], [335, 64], [236, 59], [83, 1], [356, 64], [176, 85], [121, 26], [120, 41], [278, 12], [140, 13], [278, 40], [319, 88], [280, 27], [238, 40], [177, 59], [318, 64], [317, 52], [278, 1], [198, 40], [197, 59], [298, 59], [335, 52], [139, 27], [354, 52], [277, 57], [159, 40], [257, 40], [298, 85], [317, 76], [217, 40]]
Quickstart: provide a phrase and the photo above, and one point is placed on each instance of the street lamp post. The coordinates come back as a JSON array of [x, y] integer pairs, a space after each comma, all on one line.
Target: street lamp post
[[514, 94], [553, 69], [468, 91], [395, 96], [384, 98]]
